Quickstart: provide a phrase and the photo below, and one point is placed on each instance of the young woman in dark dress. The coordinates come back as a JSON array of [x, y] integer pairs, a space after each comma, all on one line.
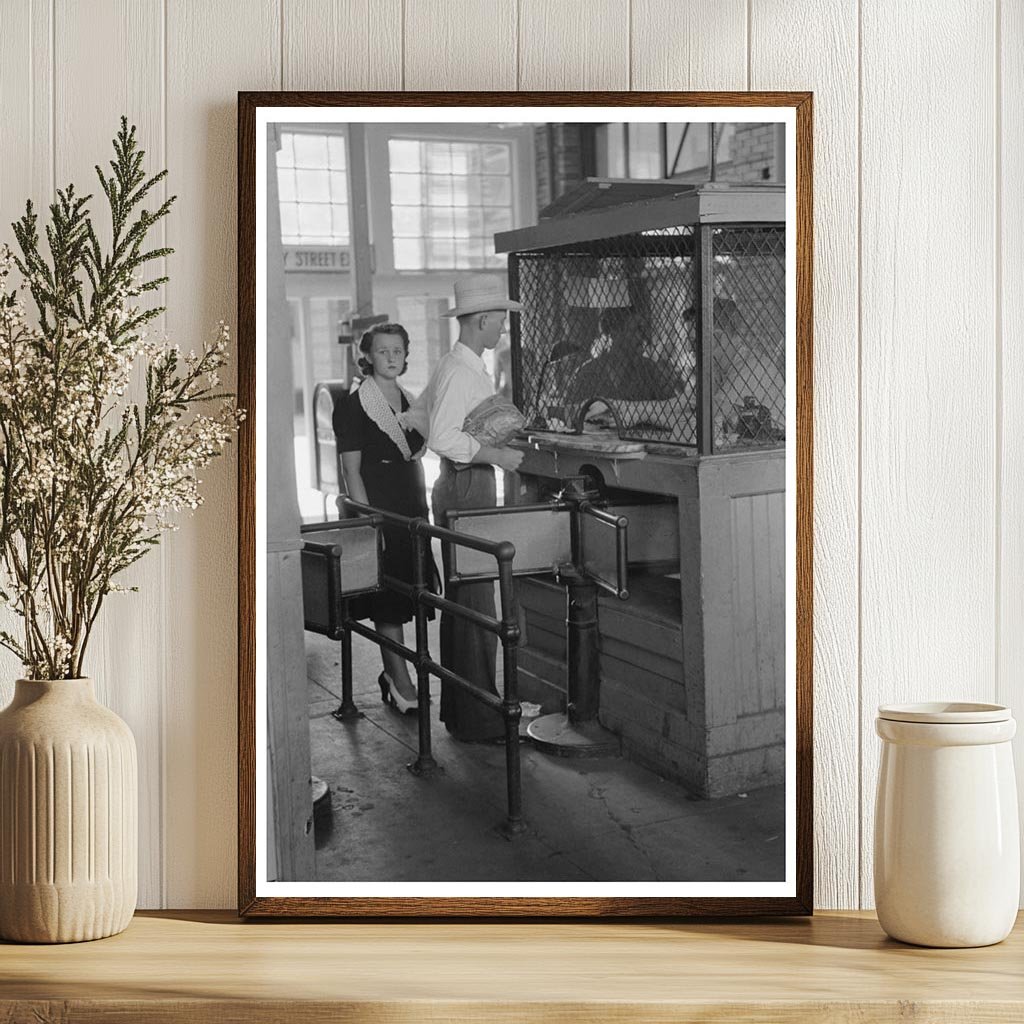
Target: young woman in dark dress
[[382, 468]]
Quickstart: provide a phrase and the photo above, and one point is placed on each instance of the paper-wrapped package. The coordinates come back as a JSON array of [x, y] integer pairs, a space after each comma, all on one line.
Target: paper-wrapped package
[[493, 421]]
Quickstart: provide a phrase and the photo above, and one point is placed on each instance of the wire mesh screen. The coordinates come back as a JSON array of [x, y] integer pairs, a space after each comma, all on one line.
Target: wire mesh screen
[[605, 332], [749, 326], [610, 332]]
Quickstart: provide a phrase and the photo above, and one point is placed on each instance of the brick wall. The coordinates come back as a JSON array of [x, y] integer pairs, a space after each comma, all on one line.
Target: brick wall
[[753, 154], [560, 156]]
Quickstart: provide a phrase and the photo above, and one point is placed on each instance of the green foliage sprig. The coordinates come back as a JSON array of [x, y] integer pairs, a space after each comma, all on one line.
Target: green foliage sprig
[[89, 478]]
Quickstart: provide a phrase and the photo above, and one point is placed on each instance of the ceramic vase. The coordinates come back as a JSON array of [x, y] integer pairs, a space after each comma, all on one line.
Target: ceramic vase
[[947, 848], [68, 815]]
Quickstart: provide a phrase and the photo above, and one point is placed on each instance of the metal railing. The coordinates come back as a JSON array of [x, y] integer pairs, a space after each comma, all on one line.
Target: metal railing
[[506, 628]]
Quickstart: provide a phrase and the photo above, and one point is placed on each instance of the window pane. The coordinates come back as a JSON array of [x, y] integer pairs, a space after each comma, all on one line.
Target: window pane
[[496, 191], [407, 221], [695, 149], [611, 152], [312, 186], [460, 191], [339, 187], [673, 135], [473, 190], [645, 151], [404, 155], [439, 190], [289, 223], [339, 224], [314, 222], [336, 152], [460, 222], [460, 158], [406, 189], [439, 158], [498, 260], [475, 221], [408, 253], [497, 219], [439, 222], [285, 184], [440, 253], [310, 150], [472, 251], [495, 159]]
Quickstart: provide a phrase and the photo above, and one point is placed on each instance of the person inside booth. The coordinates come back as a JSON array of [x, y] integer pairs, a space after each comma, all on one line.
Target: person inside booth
[[623, 370]]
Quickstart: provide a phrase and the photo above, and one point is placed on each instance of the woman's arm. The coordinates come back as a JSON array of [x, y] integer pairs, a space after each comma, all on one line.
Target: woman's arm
[[351, 463]]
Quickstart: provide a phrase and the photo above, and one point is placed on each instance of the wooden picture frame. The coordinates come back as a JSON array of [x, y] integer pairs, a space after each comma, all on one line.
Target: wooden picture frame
[[256, 896]]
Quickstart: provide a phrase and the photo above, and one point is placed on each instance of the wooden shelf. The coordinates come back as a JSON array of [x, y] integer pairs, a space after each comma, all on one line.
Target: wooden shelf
[[208, 966]]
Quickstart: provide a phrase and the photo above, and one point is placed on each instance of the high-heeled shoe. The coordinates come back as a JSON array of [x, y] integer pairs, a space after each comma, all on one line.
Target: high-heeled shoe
[[390, 695]]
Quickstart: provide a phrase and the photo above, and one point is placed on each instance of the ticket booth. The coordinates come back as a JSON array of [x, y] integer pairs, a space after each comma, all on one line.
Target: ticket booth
[[650, 364]]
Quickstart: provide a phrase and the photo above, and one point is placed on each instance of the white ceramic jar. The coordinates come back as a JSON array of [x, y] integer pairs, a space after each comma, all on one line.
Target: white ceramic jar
[[947, 847]]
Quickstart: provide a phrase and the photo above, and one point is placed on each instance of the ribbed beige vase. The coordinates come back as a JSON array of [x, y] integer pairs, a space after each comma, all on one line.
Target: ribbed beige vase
[[68, 815]]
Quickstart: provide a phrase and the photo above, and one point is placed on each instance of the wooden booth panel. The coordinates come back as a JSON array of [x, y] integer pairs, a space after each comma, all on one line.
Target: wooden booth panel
[[759, 601]]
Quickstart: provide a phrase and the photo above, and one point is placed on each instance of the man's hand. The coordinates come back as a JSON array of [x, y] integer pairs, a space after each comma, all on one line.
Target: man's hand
[[508, 459], [504, 458]]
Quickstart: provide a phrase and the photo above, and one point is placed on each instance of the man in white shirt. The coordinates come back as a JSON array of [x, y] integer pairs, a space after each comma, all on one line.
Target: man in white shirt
[[459, 384]]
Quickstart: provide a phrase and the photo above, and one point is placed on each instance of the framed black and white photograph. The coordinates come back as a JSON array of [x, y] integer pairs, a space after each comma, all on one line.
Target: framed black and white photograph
[[525, 504]]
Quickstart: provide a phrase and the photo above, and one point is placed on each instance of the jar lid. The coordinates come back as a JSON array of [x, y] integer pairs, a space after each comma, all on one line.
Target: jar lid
[[945, 712]]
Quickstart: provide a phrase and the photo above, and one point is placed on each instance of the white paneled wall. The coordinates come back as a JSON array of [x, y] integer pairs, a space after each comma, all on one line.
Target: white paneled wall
[[919, 307]]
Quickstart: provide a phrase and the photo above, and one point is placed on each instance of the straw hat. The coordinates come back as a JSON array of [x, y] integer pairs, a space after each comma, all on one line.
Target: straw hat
[[480, 293]]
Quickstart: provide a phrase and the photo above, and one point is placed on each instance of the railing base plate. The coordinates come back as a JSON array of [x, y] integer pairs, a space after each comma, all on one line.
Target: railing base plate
[[511, 829], [347, 713], [424, 769], [555, 734]]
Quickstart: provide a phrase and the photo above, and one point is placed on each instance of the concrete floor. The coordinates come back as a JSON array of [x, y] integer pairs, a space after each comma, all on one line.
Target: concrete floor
[[587, 820]]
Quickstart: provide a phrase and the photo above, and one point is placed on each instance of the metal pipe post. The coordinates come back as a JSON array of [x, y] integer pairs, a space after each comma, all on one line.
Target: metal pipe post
[[576, 732], [511, 709], [347, 710], [705, 270], [424, 763], [583, 674]]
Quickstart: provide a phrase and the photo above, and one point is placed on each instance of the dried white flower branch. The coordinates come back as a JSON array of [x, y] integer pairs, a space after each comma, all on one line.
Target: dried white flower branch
[[88, 478]]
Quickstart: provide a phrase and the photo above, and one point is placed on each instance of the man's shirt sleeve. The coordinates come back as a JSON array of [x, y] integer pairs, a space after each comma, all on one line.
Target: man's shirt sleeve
[[452, 400]]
